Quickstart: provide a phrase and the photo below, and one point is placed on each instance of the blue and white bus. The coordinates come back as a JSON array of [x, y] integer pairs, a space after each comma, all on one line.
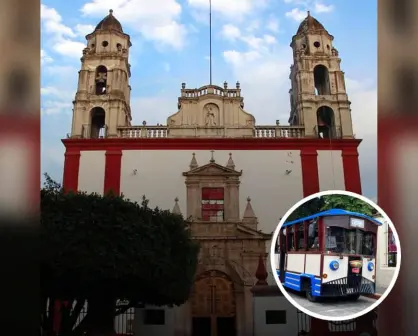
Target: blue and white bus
[[329, 254]]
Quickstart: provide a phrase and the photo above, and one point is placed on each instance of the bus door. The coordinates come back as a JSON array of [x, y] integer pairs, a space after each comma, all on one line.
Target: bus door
[[282, 254]]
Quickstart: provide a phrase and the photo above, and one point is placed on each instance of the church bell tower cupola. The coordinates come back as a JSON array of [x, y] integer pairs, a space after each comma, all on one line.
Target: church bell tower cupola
[[318, 95], [102, 101]]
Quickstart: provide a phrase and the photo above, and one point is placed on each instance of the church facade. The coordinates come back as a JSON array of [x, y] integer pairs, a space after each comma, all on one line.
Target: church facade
[[212, 163]]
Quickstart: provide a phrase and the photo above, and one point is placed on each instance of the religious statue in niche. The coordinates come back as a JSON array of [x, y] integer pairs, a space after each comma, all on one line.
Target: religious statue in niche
[[211, 111]]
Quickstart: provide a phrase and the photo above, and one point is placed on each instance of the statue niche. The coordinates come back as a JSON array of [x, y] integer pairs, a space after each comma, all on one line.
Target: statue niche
[[211, 114]]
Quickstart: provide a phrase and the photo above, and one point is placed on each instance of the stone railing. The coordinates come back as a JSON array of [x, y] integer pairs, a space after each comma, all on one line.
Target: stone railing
[[259, 132], [215, 90], [143, 132], [279, 131]]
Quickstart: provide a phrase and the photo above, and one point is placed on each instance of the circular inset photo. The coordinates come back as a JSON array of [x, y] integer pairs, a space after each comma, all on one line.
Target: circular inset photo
[[335, 255]]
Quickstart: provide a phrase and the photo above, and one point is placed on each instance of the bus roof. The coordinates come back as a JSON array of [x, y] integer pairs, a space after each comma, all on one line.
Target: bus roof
[[333, 212]]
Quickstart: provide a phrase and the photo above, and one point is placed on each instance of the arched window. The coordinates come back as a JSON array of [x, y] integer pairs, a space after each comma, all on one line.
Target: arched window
[[98, 127], [325, 122], [101, 80], [321, 80]]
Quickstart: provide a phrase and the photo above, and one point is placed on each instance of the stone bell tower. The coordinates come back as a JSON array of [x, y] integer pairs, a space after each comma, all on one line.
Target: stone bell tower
[[101, 103], [318, 95]]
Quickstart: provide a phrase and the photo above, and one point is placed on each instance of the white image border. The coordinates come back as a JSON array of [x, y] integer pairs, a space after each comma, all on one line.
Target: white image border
[[335, 318]]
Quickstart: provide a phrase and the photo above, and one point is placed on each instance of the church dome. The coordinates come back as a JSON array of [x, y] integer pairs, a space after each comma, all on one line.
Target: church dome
[[310, 24], [109, 22]]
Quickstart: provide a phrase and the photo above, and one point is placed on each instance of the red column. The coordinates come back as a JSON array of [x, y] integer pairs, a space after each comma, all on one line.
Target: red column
[[351, 168], [71, 169], [112, 171], [310, 177]]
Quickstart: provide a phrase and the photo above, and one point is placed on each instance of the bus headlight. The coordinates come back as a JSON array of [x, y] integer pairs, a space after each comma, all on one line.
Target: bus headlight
[[334, 265], [370, 266]]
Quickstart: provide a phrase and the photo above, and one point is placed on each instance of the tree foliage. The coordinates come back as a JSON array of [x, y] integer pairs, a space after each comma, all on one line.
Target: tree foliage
[[327, 202], [348, 203], [105, 248]]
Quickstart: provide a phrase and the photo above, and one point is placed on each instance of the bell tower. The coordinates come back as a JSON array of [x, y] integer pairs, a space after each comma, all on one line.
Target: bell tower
[[318, 95], [102, 101]]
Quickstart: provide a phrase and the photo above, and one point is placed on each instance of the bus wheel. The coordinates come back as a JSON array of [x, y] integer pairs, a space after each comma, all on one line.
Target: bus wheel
[[353, 297], [309, 295]]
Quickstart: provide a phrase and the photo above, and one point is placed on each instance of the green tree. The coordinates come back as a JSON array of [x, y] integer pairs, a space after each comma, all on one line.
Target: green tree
[[348, 203], [327, 202], [308, 208], [101, 249]]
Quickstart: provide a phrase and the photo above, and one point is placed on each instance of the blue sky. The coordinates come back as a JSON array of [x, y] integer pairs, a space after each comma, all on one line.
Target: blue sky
[[171, 45]]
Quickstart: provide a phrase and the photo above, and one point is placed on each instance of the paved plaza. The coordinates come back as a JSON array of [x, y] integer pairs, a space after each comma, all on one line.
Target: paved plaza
[[333, 307]]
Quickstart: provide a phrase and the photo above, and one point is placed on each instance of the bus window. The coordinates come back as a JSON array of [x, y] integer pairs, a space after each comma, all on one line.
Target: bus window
[[282, 241], [300, 237], [278, 244], [350, 241], [313, 237], [367, 243], [290, 238]]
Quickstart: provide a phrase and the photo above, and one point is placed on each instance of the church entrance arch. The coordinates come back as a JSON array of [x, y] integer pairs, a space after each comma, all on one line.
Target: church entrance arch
[[213, 305]]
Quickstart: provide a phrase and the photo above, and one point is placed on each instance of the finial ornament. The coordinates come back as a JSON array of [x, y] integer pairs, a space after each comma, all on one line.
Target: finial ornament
[[261, 273], [110, 11], [230, 164], [193, 162], [309, 13], [212, 159], [176, 199], [248, 199]]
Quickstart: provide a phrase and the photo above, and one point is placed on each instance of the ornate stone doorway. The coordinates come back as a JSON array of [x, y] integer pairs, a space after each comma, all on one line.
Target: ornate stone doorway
[[213, 305]]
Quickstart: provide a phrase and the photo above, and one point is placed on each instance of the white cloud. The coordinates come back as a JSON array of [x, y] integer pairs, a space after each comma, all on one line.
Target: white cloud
[[256, 43], [321, 8], [273, 25], [297, 2], [50, 107], [53, 22], [237, 58], [57, 96], [69, 48], [156, 20], [230, 32], [83, 29], [296, 14], [61, 37], [253, 26], [161, 105], [45, 58], [231, 9]]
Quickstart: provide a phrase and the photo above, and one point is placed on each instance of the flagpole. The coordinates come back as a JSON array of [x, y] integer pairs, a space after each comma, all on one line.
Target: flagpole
[[210, 42]]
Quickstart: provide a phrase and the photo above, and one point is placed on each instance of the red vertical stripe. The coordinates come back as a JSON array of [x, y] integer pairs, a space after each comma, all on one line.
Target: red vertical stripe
[[392, 321], [112, 171], [71, 170], [310, 177], [351, 170]]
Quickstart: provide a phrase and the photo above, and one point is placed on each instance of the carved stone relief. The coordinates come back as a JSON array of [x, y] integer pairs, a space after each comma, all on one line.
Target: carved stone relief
[[211, 114]]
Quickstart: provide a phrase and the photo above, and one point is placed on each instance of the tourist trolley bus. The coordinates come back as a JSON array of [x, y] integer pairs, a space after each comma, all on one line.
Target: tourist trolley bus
[[329, 254]]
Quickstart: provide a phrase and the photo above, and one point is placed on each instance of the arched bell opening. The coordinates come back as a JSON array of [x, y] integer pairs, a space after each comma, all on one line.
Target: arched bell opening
[[98, 126], [325, 122], [101, 80], [321, 80]]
